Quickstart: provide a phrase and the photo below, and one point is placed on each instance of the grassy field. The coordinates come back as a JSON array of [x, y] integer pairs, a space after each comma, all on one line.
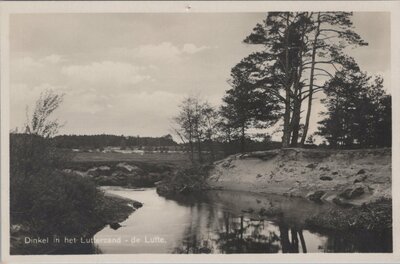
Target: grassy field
[[150, 158]]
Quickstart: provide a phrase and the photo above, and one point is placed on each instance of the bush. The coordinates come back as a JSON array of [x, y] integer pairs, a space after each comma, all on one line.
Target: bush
[[31, 158], [47, 200], [64, 205], [185, 181]]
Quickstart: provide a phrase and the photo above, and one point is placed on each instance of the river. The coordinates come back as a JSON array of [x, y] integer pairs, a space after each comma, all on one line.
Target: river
[[225, 222]]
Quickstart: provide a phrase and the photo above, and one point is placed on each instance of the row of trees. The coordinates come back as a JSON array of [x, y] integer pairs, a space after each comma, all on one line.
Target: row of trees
[[303, 53], [102, 141]]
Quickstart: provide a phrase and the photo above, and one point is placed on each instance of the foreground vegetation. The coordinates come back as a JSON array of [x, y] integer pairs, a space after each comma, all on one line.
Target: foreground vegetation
[[46, 202]]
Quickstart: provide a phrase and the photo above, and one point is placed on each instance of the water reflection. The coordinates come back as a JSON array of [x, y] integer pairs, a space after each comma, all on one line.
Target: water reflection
[[225, 222], [291, 245], [231, 234]]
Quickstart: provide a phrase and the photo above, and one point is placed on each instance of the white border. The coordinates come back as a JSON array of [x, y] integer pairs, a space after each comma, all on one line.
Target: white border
[[7, 8]]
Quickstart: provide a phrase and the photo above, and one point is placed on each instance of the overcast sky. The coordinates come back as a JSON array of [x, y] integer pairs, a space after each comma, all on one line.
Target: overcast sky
[[127, 73]]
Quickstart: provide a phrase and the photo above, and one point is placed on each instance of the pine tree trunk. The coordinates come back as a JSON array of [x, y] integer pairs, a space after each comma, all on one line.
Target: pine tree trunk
[[311, 86], [286, 117], [243, 140], [286, 124], [296, 123], [308, 115]]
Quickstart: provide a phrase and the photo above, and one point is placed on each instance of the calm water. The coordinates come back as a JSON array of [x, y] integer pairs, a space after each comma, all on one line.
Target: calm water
[[225, 222]]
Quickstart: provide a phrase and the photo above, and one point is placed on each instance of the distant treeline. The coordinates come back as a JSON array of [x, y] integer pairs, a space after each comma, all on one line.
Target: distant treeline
[[102, 141]]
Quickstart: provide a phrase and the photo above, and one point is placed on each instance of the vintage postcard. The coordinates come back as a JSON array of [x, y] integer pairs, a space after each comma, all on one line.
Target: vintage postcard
[[199, 131]]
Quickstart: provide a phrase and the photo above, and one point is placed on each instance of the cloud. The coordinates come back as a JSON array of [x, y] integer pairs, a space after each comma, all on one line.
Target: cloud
[[87, 103], [35, 70], [192, 49], [53, 59], [143, 102], [30, 63], [163, 51], [106, 72], [26, 64]]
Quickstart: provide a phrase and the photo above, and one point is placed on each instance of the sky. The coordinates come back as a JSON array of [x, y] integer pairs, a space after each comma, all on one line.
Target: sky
[[127, 73]]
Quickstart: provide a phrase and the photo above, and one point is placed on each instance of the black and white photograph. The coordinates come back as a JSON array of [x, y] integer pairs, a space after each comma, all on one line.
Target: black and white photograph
[[264, 133]]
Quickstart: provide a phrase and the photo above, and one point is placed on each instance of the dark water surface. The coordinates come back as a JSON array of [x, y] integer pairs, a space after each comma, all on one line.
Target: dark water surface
[[226, 222]]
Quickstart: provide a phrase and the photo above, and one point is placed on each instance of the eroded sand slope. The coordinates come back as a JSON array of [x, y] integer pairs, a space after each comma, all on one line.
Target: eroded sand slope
[[342, 176]]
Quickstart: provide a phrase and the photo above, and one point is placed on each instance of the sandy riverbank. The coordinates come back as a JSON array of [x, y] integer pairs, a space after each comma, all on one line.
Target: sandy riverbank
[[339, 176]]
